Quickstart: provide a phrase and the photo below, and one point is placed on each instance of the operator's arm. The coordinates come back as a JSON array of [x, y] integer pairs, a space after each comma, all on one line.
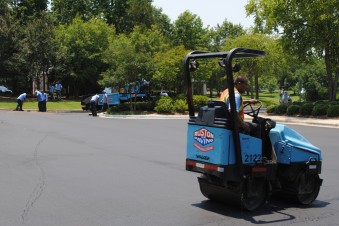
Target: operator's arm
[[240, 118], [252, 101]]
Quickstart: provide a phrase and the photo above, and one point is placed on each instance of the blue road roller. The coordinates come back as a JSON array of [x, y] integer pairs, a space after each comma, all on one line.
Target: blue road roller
[[237, 168]]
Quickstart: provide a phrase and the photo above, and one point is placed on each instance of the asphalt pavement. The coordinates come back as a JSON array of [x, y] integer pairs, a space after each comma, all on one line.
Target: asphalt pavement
[[326, 122]]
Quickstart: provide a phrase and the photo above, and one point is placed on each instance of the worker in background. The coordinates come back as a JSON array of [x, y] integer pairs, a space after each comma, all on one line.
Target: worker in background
[[240, 86], [21, 98], [51, 91], [58, 88], [40, 98], [94, 103], [44, 101], [104, 101]]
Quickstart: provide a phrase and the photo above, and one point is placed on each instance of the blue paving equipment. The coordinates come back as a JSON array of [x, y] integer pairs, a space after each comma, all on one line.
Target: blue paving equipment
[[237, 168]]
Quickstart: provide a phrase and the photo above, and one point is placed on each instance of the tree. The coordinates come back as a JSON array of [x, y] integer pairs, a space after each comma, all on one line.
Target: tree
[[272, 65], [221, 33], [123, 14], [313, 80], [81, 48], [66, 10], [28, 9], [169, 68], [13, 68], [307, 28], [140, 13], [163, 22], [39, 48], [4, 7], [188, 31], [129, 58]]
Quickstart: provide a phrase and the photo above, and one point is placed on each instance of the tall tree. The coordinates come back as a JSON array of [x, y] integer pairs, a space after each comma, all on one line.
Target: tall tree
[[28, 9], [39, 48], [221, 33], [66, 10], [4, 7], [140, 13], [12, 63], [169, 68], [163, 22], [272, 65], [189, 31], [115, 12], [130, 57], [123, 14], [307, 27], [81, 47]]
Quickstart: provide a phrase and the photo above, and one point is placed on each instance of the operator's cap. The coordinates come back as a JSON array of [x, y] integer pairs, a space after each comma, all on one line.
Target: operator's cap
[[104, 91]]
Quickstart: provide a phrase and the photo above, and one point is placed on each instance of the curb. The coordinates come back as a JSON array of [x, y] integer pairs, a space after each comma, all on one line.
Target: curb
[[333, 123]]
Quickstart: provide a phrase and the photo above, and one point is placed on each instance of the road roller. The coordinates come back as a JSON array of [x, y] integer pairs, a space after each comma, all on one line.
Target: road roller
[[238, 168]]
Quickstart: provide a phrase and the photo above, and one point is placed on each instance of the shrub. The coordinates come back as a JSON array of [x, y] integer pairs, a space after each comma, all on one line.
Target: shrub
[[271, 108], [181, 96], [180, 106], [281, 109], [298, 103], [334, 103], [333, 111], [113, 109], [306, 109], [164, 105], [320, 109], [293, 110], [145, 106], [321, 102], [199, 101]]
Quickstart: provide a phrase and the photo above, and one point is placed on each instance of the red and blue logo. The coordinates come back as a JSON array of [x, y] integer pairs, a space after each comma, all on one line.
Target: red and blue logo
[[203, 137]]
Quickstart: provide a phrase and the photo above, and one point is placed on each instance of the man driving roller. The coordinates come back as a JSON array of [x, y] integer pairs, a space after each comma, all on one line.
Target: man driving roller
[[240, 86]]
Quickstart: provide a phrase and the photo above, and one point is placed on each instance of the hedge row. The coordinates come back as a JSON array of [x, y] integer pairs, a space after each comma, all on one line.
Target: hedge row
[[179, 104], [319, 108], [163, 104]]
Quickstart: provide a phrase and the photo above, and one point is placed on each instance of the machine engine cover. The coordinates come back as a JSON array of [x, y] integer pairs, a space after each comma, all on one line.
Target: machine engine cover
[[291, 147]]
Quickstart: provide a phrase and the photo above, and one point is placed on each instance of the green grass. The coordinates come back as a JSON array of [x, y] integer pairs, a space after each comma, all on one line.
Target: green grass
[[32, 104], [269, 99]]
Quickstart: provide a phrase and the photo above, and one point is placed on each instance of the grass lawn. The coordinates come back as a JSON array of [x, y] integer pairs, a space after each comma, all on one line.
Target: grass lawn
[[273, 98], [32, 104]]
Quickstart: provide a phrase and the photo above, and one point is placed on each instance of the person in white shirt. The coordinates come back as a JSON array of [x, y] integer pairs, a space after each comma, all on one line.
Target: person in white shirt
[[94, 102], [104, 101], [21, 100], [58, 88]]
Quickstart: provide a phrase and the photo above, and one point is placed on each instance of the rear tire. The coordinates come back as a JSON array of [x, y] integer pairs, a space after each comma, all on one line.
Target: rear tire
[[254, 194], [248, 195], [308, 187]]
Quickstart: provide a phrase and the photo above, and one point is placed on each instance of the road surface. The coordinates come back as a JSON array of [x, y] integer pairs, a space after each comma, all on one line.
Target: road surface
[[71, 169]]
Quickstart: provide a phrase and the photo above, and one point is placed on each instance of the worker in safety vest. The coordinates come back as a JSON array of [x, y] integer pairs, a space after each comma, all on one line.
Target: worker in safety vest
[[240, 86]]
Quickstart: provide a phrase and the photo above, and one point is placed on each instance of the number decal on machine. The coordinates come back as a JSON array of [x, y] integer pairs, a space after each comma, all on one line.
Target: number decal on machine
[[252, 158]]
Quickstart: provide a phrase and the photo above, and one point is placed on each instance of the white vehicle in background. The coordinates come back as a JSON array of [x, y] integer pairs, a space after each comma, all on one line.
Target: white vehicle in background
[[5, 90]]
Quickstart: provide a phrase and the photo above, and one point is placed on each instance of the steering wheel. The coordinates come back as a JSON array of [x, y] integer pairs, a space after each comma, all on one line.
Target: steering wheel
[[254, 110]]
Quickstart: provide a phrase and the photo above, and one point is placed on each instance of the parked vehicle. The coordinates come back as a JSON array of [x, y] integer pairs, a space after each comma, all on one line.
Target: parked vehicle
[[5, 90], [237, 168], [139, 91]]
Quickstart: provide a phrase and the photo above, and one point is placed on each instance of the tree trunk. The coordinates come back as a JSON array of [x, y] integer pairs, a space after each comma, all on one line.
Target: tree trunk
[[256, 78], [332, 80]]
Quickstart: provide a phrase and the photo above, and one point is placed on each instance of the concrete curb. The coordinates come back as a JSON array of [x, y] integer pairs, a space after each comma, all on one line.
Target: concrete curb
[[333, 123]]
